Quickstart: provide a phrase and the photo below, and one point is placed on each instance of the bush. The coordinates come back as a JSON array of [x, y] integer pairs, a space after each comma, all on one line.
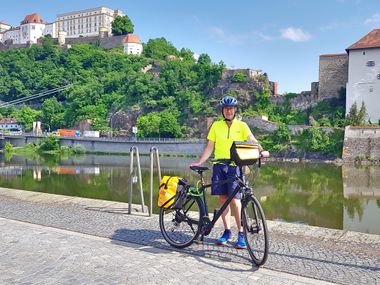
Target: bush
[[8, 147], [49, 144], [78, 149], [239, 77]]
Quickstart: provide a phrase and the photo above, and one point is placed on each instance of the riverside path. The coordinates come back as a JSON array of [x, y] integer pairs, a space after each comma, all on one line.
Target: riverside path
[[53, 239]]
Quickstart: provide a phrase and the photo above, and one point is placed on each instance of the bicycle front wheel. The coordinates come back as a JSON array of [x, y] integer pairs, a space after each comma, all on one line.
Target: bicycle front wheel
[[180, 227], [255, 230]]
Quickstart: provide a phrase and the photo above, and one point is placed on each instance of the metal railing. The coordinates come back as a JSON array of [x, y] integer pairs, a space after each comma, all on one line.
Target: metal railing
[[134, 150], [153, 154]]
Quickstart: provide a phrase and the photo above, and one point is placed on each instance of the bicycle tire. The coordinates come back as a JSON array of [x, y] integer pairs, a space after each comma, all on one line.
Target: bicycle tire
[[255, 230], [180, 227]]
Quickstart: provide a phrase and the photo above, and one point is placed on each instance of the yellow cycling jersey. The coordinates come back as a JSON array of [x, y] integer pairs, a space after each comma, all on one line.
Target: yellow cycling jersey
[[223, 136]]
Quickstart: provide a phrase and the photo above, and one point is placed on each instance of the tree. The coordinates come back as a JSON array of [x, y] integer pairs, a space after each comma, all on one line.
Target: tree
[[355, 118], [352, 115], [362, 115], [122, 25], [159, 48]]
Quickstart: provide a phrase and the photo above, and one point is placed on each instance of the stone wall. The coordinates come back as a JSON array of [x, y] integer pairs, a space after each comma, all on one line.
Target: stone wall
[[333, 75], [303, 101], [361, 144], [104, 42], [258, 123]]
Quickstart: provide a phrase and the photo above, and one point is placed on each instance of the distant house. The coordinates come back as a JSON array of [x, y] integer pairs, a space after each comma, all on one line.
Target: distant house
[[364, 74], [357, 71], [4, 26], [10, 125], [87, 22], [30, 29], [132, 44]]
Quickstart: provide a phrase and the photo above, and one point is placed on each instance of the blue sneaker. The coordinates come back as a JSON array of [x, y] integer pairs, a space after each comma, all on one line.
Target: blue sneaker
[[240, 244], [226, 237]]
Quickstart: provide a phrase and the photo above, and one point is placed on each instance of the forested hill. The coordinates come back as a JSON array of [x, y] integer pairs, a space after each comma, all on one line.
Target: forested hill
[[167, 88]]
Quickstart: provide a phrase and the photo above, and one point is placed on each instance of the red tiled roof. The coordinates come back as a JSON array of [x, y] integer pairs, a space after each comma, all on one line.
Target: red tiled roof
[[130, 38], [32, 18], [8, 121], [371, 40]]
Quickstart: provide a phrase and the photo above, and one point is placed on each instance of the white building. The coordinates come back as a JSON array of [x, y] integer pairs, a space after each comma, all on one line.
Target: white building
[[364, 75], [88, 22], [4, 27], [50, 29], [132, 44], [12, 34], [31, 28]]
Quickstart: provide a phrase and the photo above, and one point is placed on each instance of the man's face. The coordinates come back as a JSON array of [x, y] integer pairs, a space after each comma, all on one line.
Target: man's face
[[229, 112]]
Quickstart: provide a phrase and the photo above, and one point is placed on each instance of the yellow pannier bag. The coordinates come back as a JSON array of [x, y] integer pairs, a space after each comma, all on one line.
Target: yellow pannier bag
[[168, 188]]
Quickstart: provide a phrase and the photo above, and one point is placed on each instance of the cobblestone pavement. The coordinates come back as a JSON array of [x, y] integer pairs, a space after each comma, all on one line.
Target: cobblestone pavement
[[35, 254], [322, 254]]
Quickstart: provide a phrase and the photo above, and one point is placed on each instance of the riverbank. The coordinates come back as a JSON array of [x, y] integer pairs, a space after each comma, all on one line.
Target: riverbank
[[317, 254]]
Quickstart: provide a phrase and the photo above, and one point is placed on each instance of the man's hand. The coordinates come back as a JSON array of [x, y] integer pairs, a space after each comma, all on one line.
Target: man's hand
[[264, 154]]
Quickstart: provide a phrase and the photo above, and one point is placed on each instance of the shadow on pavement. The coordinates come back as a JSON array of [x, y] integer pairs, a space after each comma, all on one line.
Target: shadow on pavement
[[207, 248]]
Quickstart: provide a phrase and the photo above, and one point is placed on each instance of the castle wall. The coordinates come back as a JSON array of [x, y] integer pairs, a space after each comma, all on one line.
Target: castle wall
[[361, 143], [104, 42], [333, 75]]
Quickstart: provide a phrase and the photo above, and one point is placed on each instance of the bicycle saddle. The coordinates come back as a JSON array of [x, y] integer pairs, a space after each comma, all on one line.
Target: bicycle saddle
[[199, 168]]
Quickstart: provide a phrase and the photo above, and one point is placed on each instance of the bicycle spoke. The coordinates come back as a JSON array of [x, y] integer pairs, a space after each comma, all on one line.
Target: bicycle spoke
[[255, 230], [181, 228]]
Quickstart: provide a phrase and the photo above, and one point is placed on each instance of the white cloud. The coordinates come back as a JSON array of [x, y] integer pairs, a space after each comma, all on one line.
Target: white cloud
[[373, 20], [295, 34]]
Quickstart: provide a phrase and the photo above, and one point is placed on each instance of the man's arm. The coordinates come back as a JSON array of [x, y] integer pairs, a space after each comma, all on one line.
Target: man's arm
[[251, 138], [206, 154]]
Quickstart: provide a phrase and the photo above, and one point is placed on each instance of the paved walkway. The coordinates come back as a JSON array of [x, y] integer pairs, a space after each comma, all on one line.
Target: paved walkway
[[52, 239]]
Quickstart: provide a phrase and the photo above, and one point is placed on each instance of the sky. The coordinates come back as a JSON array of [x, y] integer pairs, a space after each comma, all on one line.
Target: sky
[[282, 38]]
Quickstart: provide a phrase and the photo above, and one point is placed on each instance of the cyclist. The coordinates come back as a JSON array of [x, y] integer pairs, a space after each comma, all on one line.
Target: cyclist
[[220, 138]]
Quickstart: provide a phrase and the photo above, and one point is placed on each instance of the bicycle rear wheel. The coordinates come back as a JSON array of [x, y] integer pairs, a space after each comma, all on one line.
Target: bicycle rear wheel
[[180, 227], [255, 230]]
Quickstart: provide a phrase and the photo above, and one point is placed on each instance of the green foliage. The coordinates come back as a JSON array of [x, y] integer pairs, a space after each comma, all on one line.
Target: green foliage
[[26, 116], [315, 139], [280, 140], [163, 124], [159, 48], [122, 25], [78, 149], [49, 144], [8, 147], [239, 77], [355, 118]]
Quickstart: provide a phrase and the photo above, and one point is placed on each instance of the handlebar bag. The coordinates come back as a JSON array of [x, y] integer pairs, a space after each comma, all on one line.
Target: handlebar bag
[[244, 153]]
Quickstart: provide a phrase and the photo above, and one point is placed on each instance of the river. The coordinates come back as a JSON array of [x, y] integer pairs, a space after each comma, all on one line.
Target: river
[[325, 195]]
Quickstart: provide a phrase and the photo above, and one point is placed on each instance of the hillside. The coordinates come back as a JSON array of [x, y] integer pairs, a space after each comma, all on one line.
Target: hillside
[[164, 91]]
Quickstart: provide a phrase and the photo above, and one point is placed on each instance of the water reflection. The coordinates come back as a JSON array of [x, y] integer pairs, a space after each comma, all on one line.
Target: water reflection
[[315, 194]]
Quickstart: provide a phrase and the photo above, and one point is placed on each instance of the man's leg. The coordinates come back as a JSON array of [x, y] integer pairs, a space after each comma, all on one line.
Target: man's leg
[[226, 216], [236, 210]]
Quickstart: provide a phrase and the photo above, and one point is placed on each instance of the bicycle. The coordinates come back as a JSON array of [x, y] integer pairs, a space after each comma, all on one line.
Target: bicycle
[[180, 227]]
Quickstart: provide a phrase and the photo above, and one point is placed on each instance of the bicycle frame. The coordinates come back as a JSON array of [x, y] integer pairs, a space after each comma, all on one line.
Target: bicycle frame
[[217, 212]]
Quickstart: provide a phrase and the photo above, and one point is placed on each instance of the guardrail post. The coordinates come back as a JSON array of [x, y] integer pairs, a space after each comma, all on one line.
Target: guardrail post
[[153, 150], [133, 150]]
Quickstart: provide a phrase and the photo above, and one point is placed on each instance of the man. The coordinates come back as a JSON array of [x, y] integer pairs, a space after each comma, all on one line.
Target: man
[[220, 137]]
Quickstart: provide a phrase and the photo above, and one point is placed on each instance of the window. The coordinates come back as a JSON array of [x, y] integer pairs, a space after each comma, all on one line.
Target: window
[[363, 52], [378, 76], [371, 89], [370, 63]]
